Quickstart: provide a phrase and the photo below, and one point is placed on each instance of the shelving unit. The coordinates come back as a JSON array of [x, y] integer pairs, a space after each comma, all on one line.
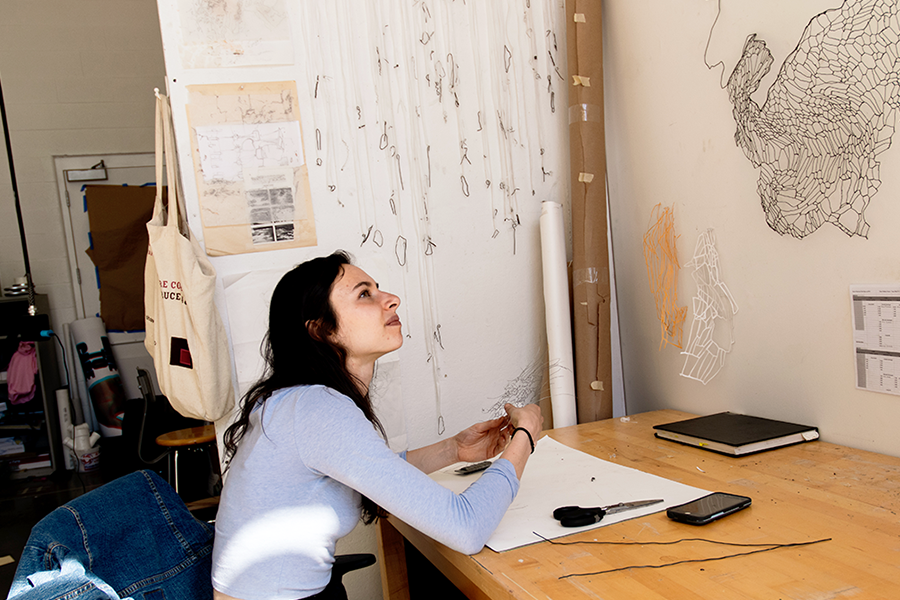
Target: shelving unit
[[35, 422]]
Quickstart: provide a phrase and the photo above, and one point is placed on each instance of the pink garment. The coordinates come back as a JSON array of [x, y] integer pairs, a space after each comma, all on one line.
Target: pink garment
[[20, 374]]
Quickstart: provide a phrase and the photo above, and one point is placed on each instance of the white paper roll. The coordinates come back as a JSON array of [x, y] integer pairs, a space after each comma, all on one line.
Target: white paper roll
[[76, 379], [559, 322], [65, 425], [97, 364]]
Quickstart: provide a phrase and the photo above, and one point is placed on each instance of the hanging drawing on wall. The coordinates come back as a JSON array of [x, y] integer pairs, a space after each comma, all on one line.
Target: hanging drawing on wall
[[712, 326], [252, 178], [662, 272], [829, 113], [234, 33]]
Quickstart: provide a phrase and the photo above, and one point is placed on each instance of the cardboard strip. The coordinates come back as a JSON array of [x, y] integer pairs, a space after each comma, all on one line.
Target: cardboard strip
[[587, 151]]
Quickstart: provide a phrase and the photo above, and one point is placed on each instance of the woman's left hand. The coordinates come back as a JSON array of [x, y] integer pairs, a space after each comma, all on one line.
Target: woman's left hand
[[482, 440]]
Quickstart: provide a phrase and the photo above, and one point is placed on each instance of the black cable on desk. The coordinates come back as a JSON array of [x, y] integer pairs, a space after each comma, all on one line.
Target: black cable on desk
[[762, 548]]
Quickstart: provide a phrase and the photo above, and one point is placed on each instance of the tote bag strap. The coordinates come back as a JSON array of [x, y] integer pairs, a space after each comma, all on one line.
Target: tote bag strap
[[158, 206], [165, 154]]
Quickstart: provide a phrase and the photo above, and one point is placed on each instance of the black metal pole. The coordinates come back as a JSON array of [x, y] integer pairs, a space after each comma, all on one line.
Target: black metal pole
[[32, 310]]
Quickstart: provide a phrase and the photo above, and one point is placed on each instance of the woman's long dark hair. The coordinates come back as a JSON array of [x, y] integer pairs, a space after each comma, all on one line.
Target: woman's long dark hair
[[298, 351]]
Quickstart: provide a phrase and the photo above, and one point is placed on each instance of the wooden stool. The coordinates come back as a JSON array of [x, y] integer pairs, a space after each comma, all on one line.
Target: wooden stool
[[186, 438]]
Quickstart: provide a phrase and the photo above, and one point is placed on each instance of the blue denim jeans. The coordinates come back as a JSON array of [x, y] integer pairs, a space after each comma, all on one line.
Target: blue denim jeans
[[131, 538]]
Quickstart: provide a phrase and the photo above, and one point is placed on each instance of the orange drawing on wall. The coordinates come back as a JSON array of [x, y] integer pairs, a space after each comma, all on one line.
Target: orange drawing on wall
[[662, 272]]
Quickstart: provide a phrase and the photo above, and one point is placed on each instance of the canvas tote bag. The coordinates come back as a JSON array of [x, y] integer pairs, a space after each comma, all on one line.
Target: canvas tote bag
[[185, 335]]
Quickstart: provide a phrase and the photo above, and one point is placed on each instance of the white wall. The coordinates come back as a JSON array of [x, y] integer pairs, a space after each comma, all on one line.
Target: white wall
[[78, 78], [471, 287], [670, 140], [472, 306]]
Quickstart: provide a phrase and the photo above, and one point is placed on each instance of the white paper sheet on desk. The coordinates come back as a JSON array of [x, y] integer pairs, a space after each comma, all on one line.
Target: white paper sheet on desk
[[557, 475]]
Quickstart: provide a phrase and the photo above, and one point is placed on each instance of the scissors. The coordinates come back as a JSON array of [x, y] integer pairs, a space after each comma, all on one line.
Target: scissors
[[576, 516]]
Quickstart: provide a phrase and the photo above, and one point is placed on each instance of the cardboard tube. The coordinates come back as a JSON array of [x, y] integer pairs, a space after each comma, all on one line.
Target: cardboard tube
[[556, 308]]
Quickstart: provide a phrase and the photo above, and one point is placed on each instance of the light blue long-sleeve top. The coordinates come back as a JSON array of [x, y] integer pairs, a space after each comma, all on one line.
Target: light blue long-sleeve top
[[293, 489]]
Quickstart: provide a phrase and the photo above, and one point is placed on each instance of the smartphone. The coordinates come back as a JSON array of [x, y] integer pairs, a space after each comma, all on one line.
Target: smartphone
[[708, 508]]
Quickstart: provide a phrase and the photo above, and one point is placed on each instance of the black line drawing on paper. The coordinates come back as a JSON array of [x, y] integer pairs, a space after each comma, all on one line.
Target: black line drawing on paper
[[399, 171], [347, 158], [374, 235], [524, 389], [829, 113], [383, 141], [465, 185], [437, 336], [400, 250], [464, 150]]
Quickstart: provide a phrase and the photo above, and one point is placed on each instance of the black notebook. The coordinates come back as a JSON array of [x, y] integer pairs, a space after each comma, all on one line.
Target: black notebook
[[734, 434]]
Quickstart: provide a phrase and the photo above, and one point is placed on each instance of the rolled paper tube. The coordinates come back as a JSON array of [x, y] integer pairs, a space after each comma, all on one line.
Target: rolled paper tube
[[559, 322], [65, 424]]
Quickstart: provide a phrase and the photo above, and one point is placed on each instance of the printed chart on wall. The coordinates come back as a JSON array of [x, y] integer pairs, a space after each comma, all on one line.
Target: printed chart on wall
[[876, 337], [252, 179]]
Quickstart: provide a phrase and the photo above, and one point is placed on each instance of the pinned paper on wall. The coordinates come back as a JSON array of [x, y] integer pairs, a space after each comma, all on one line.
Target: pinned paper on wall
[[876, 337], [711, 336], [252, 178], [662, 271], [235, 33]]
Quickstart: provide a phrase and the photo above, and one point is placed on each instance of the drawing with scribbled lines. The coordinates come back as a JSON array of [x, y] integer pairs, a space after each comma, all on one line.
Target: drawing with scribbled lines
[[227, 150], [215, 20], [524, 389]]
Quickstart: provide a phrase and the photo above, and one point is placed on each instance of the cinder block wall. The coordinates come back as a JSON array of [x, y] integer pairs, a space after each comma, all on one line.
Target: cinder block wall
[[77, 78]]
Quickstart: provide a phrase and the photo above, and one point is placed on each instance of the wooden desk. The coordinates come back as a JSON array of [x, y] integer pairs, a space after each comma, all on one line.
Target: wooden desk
[[800, 493]]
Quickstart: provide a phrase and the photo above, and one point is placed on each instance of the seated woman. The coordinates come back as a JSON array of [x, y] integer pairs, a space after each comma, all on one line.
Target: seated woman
[[309, 456]]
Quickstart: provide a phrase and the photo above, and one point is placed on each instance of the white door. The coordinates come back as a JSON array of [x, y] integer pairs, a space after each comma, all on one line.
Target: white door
[[120, 169]]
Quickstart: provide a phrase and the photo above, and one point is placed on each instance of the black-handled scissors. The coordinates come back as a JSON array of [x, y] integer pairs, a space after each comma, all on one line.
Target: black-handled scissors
[[577, 516]]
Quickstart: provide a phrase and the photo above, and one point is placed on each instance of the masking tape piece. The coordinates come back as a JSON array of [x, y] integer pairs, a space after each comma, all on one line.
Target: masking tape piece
[[6, 560], [585, 177], [581, 80], [579, 18], [597, 386]]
